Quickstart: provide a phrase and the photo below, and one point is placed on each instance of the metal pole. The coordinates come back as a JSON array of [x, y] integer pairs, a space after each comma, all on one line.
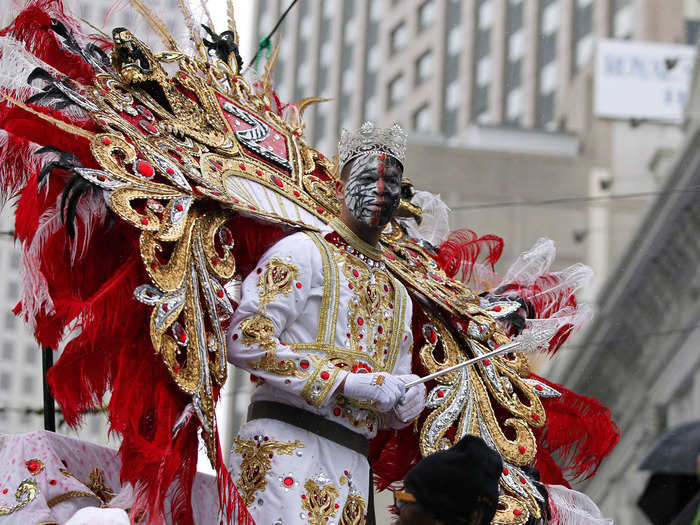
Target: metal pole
[[49, 409]]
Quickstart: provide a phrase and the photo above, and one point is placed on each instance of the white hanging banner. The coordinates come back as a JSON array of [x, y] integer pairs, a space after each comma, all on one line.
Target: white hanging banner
[[642, 80]]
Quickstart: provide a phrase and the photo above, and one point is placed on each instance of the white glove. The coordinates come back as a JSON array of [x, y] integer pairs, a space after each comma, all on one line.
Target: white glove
[[385, 389], [412, 403]]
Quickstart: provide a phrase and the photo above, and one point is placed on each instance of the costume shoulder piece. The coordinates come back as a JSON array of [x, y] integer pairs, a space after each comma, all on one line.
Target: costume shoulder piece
[[149, 182]]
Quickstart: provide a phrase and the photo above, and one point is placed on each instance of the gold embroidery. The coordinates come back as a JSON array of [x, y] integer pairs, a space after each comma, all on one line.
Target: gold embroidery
[[96, 483], [322, 379], [256, 463], [70, 495], [259, 330], [319, 500], [353, 510], [25, 494], [373, 313], [276, 279]]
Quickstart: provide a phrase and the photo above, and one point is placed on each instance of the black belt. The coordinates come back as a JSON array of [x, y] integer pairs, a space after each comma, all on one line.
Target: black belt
[[320, 426]]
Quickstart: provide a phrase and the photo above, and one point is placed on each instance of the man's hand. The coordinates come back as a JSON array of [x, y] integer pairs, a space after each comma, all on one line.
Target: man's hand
[[385, 389], [412, 402]]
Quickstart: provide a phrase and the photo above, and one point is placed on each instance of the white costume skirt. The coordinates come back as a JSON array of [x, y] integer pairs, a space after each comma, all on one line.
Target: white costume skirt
[[290, 476]]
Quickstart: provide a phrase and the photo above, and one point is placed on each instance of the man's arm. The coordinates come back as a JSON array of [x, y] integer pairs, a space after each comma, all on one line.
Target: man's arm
[[273, 297]]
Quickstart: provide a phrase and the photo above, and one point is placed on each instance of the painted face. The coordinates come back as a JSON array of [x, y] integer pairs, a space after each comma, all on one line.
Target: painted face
[[373, 189]]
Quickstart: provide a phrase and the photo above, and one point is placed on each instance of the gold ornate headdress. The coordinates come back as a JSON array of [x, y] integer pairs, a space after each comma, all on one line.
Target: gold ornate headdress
[[370, 138]]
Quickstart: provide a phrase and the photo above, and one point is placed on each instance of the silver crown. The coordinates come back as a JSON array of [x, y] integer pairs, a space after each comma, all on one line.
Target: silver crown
[[369, 139]]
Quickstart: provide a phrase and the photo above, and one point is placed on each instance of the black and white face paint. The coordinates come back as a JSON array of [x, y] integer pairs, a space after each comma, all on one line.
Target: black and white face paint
[[373, 189]]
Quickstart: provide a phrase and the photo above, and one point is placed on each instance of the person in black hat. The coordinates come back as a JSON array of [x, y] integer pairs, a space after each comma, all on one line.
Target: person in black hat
[[452, 487]]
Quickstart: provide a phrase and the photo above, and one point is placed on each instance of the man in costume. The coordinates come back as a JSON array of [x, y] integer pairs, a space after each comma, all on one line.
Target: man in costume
[[326, 331], [451, 487]]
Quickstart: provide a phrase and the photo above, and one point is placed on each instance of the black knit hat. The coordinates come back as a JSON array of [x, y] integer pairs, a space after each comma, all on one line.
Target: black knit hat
[[458, 485]]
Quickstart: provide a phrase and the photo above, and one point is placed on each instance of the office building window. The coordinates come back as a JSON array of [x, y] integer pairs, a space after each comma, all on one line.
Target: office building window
[[8, 351], [514, 59], [482, 60], [546, 62], [372, 60], [397, 89], [426, 14], [424, 67], [13, 290], [421, 118], [451, 94], [582, 34], [5, 381], [9, 321], [14, 261], [621, 18], [27, 384], [398, 38]]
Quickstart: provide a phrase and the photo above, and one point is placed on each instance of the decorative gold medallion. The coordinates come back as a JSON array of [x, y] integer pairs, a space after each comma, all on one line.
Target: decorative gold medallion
[[25, 494], [277, 279], [319, 499], [354, 510], [256, 463]]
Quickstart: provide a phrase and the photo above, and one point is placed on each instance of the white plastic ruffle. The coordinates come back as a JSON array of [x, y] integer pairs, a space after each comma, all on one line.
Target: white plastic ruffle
[[435, 226], [570, 507]]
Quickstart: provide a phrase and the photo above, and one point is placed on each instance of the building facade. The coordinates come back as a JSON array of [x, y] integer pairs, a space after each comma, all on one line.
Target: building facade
[[441, 66]]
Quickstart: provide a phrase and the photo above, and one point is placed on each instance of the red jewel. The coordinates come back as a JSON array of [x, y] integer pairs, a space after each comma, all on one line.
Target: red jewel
[[145, 169], [288, 481], [345, 472], [267, 107], [496, 308], [252, 207], [165, 308], [522, 479], [325, 375], [336, 411], [144, 221], [270, 456], [320, 210], [441, 393], [258, 173], [304, 364], [106, 141], [336, 506], [522, 449], [321, 156], [516, 512], [539, 387], [4, 491], [103, 121], [350, 286], [390, 256], [299, 285], [487, 362], [296, 193], [235, 336], [242, 166], [235, 79], [303, 496], [356, 273], [52, 481], [176, 369], [179, 207], [179, 149], [380, 330], [505, 471], [360, 321], [220, 293], [214, 261], [535, 417], [258, 271], [34, 466], [150, 127], [154, 265], [170, 171]]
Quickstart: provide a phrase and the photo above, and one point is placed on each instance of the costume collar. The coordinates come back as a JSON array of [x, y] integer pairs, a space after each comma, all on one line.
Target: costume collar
[[353, 240]]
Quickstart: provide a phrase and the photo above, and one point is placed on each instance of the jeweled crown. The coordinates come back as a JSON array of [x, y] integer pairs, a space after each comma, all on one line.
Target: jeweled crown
[[370, 138]]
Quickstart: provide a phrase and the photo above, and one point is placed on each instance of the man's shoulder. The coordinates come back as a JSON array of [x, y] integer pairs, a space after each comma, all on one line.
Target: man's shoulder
[[297, 246]]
